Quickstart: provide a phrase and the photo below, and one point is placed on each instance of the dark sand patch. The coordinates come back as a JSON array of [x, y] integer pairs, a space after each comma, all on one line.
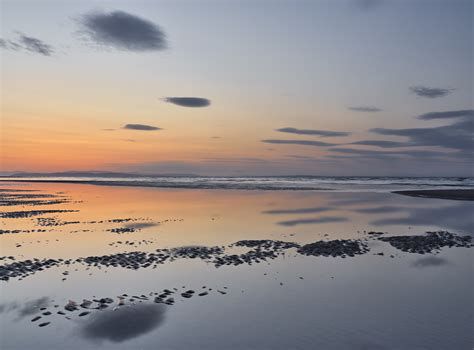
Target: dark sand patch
[[429, 243], [15, 198], [460, 195], [336, 248], [29, 213], [261, 251]]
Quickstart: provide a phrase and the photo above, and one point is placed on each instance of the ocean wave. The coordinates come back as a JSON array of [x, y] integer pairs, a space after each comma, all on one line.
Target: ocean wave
[[284, 183]]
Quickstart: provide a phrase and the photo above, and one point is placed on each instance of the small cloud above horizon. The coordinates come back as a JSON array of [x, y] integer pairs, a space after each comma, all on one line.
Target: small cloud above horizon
[[367, 109], [122, 31], [298, 142], [430, 92], [141, 127], [381, 143], [195, 102], [322, 133], [465, 113], [457, 135]]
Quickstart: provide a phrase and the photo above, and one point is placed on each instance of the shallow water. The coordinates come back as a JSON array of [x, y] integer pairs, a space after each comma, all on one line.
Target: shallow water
[[408, 301]]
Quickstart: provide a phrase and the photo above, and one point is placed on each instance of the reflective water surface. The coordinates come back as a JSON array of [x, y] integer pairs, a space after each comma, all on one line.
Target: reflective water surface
[[397, 300]]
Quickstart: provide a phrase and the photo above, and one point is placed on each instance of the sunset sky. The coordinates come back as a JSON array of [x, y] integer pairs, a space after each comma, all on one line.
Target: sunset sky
[[335, 87]]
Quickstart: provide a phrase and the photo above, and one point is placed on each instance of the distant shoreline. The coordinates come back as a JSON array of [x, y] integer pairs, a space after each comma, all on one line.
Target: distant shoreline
[[460, 195]]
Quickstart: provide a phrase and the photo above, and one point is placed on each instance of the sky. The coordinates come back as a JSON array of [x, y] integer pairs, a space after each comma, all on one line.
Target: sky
[[262, 87]]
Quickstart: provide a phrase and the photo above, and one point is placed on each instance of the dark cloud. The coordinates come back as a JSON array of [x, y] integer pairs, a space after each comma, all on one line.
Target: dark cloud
[[123, 31], [321, 220], [383, 154], [234, 159], [465, 113], [9, 45], [323, 133], [36, 45], [457, 135], [188, 101], [297, 211], [367, 109], [142, 127], [430, 92], [381, 143], [301, 158], [299, 142], [124, 323], [27, 43]]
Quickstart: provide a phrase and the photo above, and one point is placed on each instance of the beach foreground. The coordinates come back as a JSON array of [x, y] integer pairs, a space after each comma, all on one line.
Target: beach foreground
[[118, 267]]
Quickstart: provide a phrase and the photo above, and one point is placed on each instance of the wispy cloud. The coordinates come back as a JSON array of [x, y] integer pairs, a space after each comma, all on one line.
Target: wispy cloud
[[322, 133], [123, 31], [298, 142], [457, 135], [141, 127], [188, 101], [430, 92], [383, 154], [381, 143], [464, 113], [366, 109], [27, 43]]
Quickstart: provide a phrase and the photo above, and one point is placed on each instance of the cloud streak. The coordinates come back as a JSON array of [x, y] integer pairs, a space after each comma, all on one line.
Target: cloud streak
[[141, 127], [430, 92], [367, 109], [298, 142], [457, 135], [322, 133], [122, 31], [27, 43], [464, 113], [194, 102], [381, 143]]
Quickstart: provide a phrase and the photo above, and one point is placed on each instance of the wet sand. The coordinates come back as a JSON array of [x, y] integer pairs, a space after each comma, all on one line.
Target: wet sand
[[220, 269], [460, 195]]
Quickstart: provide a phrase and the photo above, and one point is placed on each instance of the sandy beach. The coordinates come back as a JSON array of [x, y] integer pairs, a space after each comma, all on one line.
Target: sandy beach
[[82, 262]]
